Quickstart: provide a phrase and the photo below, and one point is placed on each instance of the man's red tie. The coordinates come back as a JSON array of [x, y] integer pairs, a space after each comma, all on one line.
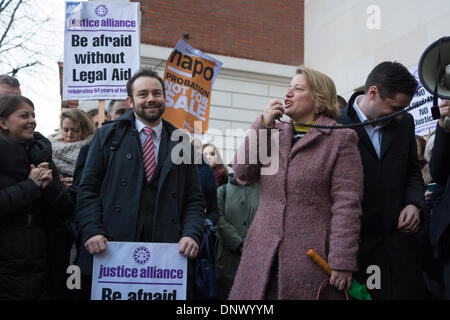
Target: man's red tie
[[149, 154]]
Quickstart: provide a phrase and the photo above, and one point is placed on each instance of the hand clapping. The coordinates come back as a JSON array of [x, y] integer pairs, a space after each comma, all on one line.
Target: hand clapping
[[41, 175]]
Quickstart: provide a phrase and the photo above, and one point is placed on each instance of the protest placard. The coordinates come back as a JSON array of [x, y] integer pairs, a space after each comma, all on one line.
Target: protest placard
[[101, 49], [423, 119], [139, 271], [189, 77]]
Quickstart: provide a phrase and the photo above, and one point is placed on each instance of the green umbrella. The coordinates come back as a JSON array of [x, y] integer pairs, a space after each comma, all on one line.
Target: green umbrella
[[358, 291]]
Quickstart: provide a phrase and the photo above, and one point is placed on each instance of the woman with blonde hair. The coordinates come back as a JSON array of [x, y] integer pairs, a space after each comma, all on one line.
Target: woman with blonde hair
[[76, 130], [212, 155], [313, 201]]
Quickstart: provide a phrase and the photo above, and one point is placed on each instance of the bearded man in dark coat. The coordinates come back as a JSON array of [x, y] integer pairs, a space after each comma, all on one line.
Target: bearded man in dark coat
[[120, 199]]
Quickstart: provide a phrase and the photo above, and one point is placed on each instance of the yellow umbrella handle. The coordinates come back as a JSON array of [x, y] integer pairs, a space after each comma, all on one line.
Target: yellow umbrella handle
[[319, 261]]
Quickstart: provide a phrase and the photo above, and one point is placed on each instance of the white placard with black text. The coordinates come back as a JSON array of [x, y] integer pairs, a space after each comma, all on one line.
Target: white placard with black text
[[101, 49]]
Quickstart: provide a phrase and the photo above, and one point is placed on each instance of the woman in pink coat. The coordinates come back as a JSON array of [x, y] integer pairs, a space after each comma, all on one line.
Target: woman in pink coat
[[310, 192]]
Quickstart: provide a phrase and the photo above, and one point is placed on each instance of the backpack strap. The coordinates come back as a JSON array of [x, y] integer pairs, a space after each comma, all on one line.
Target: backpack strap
[[111, 143]]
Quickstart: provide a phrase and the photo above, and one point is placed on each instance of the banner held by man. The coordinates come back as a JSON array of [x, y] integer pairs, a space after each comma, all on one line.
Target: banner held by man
[[139, 271]]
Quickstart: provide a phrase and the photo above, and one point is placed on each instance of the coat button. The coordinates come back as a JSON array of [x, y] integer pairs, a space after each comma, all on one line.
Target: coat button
[[174, 194], [129, 156], [118, 208], [123, 182], [174, 220]]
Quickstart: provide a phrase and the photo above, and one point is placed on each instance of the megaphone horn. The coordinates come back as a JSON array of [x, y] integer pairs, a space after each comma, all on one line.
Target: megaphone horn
[[434, 73]]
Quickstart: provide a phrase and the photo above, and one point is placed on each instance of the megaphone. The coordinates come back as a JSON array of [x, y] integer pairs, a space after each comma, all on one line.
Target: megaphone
[[434, 73]]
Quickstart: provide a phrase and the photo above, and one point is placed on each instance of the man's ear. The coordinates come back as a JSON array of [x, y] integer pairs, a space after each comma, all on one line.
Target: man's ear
[[108, 117], [373, 92], [130, 102]]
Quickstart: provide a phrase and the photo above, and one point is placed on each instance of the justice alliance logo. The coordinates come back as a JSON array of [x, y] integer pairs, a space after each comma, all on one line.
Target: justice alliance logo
[[101, 10], [141, 255]]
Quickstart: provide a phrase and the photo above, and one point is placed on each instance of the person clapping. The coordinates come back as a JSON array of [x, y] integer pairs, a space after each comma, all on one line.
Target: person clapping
[[33, 202]]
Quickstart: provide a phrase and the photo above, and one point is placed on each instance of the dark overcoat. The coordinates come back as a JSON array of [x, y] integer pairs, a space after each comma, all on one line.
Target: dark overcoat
[[109, 194], [34, 248], [440, 170], [310, 198], [390, 183]]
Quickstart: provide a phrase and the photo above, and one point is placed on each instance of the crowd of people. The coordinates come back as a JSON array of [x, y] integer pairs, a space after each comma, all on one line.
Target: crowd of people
[[374, 194]]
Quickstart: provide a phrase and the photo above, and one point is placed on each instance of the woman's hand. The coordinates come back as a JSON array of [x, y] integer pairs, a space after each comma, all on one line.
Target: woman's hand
[[47, 176], [341, 279], [273, 110], [67, 181], [35, 175], [41, 176]]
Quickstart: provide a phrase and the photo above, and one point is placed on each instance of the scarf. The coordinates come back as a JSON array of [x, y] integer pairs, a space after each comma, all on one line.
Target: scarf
[[65, 154]]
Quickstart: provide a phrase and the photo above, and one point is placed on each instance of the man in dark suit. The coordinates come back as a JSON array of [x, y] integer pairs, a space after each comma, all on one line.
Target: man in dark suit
[[393, 185], [131, 188], [440, 219]]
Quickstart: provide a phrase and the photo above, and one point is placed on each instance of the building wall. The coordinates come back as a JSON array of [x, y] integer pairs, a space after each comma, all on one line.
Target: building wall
[[339, 42], [264, 30]]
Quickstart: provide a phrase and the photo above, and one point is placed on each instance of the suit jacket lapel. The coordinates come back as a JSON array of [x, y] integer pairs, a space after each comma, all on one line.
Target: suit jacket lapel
[[164, 155], [388, 135], [163, 148]]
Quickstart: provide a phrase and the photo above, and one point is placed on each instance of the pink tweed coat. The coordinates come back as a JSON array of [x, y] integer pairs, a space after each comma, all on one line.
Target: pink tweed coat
[[313, 201]]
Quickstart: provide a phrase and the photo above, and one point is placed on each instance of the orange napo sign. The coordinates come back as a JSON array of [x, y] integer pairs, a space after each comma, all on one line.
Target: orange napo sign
[[188, 78]]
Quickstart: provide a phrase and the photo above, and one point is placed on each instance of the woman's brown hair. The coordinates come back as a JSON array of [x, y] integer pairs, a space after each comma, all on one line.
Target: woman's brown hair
[[77, 116], [9, 103]]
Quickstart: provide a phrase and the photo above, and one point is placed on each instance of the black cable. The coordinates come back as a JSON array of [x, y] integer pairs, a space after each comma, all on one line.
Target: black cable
[[355, 125]]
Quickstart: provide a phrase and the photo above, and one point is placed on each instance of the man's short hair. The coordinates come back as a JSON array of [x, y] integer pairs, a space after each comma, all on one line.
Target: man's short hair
[[341, 102], [9, 80], [93, 112], [391, 78], [111, 106], [143, 73]]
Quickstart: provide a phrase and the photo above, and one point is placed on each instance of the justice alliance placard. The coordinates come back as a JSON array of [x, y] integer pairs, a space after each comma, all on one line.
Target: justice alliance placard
[[139, 271], [101, 49]]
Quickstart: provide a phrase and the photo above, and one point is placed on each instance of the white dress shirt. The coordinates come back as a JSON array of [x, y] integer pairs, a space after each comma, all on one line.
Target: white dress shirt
[[374, 133]]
